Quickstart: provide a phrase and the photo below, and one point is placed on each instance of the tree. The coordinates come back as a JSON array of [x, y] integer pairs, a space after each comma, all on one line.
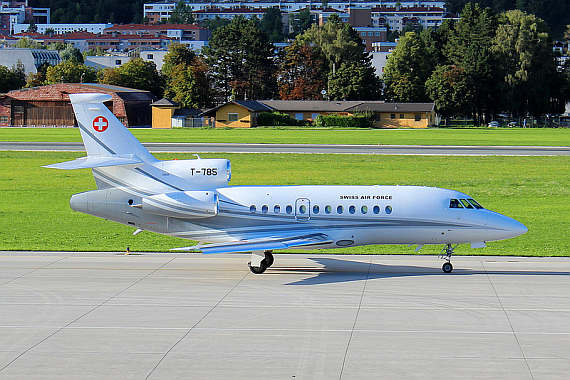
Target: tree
[[214, 23], [136, 73], [70, 72], [239, 56], [302, 73], [10, 80], [354, 81], [187, 82], [271, 23], [528, 64], [28, 43], [342, 47], [301, 21], [407, 69], [469, 49], [182, 14]]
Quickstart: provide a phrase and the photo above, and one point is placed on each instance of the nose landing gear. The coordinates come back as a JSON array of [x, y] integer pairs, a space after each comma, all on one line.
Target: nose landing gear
[[448, 249]]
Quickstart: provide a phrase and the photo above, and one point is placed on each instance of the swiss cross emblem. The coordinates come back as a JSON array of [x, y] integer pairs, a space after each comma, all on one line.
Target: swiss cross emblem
[[100, 124]]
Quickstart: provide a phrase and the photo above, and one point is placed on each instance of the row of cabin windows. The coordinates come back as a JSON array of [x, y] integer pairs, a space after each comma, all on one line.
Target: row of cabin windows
[[316, 209]]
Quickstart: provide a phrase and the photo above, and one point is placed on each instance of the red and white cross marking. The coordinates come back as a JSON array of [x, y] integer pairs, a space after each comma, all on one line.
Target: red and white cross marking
[[100, 123]]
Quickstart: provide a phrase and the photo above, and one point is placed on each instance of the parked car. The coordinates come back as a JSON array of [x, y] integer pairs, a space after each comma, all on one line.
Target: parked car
[[493, 124]]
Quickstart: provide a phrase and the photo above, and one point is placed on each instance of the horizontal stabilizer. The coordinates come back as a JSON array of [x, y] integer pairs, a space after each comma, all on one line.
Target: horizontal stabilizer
[[263, 244], [95, 162]]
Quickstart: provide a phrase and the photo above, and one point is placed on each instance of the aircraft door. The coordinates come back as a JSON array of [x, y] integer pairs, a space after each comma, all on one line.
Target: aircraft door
[[302, 209]]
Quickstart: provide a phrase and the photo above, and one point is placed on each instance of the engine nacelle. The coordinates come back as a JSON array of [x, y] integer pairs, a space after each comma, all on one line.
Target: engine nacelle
[[182, 204]]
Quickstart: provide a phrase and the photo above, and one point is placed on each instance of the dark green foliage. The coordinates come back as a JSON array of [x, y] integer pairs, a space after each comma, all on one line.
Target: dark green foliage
[[239, 57], [272, 25], [359, 120], [276, 119], [10, 79], [93, 11]]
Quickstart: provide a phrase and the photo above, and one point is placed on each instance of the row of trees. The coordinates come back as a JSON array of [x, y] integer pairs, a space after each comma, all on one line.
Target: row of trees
[[482, 65]]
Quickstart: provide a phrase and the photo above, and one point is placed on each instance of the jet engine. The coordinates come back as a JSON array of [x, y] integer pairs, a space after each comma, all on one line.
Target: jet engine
[[182, 204]]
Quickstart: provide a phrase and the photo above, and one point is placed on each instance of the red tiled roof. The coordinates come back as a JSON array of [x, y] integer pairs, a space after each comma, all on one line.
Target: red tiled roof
[[153, 27]]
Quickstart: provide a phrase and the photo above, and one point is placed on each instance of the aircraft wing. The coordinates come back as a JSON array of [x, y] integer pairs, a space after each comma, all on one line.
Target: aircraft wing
[[263, 244], [95, 162]]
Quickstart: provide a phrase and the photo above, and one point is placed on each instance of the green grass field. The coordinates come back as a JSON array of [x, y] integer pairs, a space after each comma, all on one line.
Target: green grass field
[[471, 136], [35, 213]]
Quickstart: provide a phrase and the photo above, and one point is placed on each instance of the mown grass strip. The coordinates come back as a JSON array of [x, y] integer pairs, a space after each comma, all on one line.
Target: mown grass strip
[[35, 213], [472, 136]]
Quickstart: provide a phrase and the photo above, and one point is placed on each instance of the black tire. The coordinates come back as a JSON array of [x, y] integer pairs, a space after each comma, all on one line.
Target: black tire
[[258, 270], [269, 259], [447, 267]]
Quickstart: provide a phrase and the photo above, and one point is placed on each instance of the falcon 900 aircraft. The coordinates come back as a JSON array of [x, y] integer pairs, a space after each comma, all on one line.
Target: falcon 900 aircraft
[[191, 199]]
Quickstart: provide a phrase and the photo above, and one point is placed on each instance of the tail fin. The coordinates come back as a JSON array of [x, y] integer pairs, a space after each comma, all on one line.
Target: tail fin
[[107, 141]]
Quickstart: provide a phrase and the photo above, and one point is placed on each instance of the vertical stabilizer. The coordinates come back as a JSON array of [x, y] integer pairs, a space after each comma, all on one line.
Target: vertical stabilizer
[[102, 133]]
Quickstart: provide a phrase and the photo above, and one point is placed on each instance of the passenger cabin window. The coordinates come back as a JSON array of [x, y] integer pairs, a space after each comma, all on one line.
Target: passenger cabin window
[[339, 210], [352, 209], [388, 209], [315, 209], [252, 208], [328, 209], [277, 209], [376, 209], [364, 209], [289, 209], [264, 209]]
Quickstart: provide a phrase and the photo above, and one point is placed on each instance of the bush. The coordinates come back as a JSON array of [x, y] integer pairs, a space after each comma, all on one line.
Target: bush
[[271, 119], [358, 120]]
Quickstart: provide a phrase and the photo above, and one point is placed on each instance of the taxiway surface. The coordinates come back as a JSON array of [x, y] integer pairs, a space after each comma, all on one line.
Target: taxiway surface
[[170, 316], [312, 148]]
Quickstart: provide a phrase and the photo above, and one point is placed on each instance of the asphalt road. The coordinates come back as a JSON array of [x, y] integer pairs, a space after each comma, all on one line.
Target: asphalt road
[[152, 316], [313, 148]]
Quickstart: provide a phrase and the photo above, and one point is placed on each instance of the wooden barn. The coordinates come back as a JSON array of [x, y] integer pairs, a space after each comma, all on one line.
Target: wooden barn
[[49, 106]]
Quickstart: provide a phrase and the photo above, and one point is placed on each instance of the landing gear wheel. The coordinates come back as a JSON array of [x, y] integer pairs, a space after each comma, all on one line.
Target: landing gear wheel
[[258, 270], [269, 259], [447, 267]]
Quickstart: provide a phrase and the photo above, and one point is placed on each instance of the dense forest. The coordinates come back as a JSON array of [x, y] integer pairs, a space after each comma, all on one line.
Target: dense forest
[[93, 11], [556, 13]]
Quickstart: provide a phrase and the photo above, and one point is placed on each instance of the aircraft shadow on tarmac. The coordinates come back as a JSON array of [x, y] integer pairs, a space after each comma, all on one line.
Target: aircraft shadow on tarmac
[[339, 270]]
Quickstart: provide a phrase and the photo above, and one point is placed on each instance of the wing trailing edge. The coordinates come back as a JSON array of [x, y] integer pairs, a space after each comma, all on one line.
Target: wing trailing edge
[[263, 244]]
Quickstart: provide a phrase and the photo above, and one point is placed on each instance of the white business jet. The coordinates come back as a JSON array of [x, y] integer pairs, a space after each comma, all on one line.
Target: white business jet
[[191, 199]]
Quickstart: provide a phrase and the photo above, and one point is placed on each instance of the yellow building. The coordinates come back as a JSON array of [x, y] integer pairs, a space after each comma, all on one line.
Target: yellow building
[[243, 114], [162, 112]]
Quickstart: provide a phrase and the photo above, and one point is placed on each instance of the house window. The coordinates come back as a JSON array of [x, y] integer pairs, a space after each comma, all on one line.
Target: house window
[[150, 56], [401, 116], [3, 119], [392, 116], [232, 117], [299, 116], [117, 61], [418, 117]]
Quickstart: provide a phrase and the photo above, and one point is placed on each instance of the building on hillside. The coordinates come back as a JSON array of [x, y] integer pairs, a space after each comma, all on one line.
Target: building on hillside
[[183, 33], [243, 114], [30, 58], [14, 12], [64, 28], [49, 106]]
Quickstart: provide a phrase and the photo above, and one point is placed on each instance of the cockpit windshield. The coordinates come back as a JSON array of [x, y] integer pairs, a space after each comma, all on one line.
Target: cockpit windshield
[[464, 203]]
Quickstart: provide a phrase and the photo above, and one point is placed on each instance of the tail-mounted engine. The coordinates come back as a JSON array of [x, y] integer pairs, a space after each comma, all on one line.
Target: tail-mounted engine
[[182, 204]]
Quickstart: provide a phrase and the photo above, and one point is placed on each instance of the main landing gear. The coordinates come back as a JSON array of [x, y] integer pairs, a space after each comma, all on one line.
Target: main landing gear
[[448, 249], [260, 261]]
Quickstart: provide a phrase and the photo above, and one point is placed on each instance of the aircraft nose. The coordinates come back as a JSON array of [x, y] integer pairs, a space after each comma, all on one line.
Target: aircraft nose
[[502, 227]]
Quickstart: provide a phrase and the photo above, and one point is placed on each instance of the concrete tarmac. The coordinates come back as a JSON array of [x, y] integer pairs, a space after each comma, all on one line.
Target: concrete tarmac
[[173, 316], [426, 150]]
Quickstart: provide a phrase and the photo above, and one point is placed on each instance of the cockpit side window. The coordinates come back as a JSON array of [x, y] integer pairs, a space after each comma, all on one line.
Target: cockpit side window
[[475, 203], [466, 203], [454, 203]]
